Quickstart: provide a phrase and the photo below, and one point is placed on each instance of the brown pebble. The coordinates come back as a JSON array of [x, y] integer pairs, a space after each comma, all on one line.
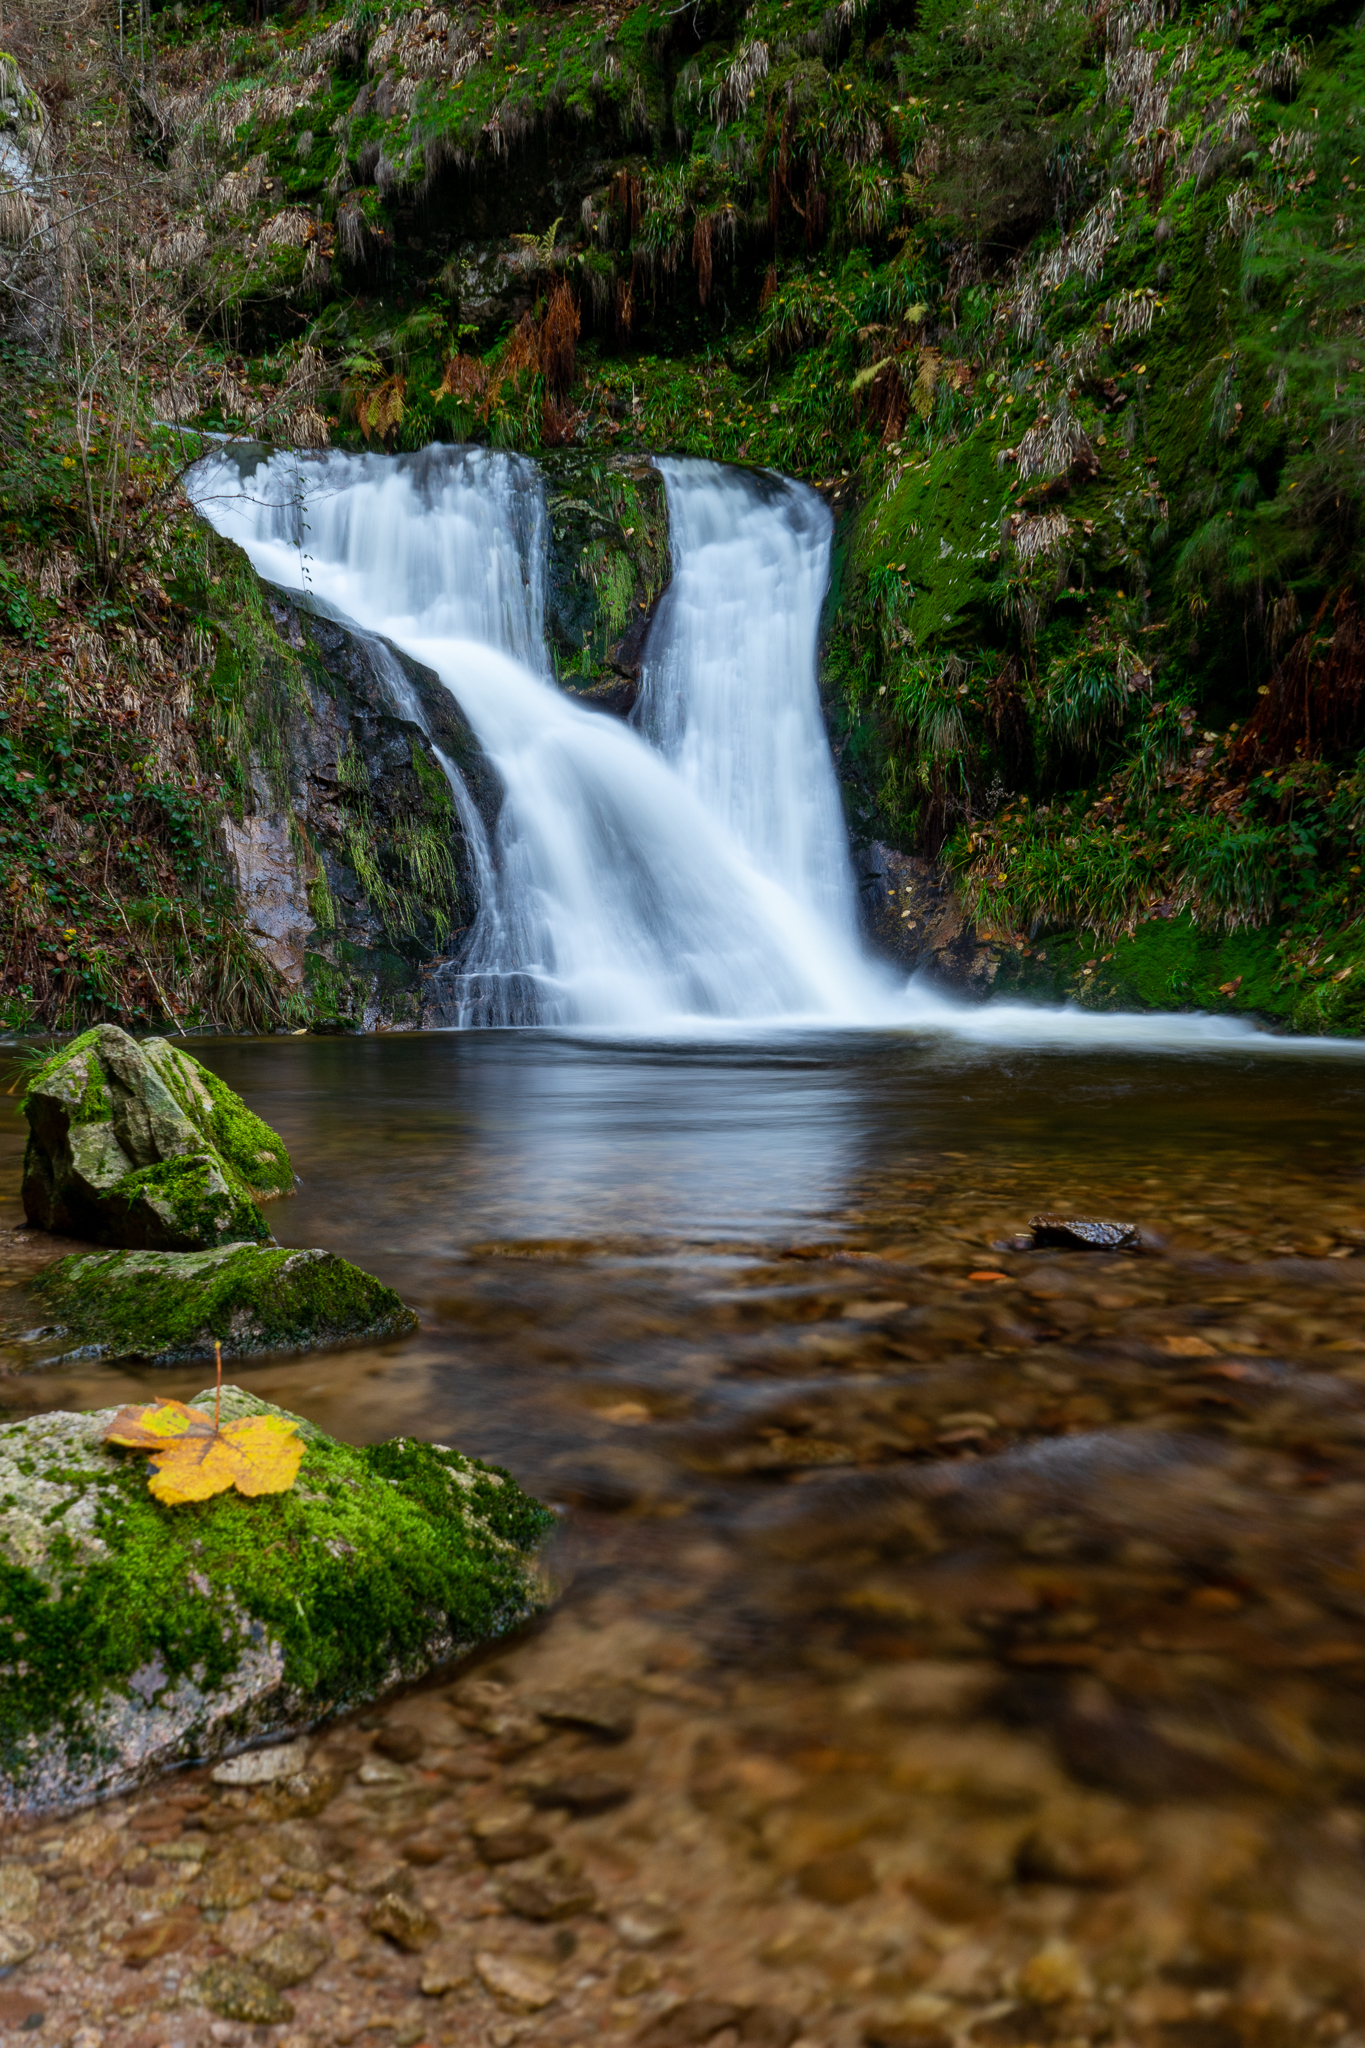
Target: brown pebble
[[838, 1878], [606, 1711], [583, 1792], [542, 1898], [403, 1921], [688, 2024], [401, 1742], [509, 1845]]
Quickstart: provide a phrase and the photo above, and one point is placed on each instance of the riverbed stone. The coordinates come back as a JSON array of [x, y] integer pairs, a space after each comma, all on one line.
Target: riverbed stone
[[134, 1635], [134, 1143], [1082, 1234], [168, 1306]]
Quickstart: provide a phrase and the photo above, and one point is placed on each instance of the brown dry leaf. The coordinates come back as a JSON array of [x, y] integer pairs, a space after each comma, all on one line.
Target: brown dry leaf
[[193, 1458]]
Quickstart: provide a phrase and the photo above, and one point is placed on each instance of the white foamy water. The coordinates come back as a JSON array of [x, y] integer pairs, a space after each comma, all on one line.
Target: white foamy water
[[691, 875]]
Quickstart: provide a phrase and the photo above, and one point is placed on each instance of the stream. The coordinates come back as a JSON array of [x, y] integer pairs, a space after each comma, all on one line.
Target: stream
[[992, 1617], [963, 1642]]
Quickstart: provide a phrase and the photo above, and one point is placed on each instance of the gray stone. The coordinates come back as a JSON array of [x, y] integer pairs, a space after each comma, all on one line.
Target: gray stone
[[400, 1556], [136, 1144], [1082, 1234]]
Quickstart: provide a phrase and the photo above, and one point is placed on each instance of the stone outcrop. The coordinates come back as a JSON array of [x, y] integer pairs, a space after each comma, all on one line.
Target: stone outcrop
[[164, 1307], [135, 1636], [351, 856], [136, 1144], [912, 917]]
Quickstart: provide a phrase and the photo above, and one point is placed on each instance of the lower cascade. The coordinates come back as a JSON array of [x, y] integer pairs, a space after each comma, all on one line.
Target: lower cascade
[[694, 870]]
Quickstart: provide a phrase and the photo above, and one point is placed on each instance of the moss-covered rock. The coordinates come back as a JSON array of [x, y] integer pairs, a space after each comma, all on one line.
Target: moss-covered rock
[[166, 1306], [134, 1636], [137, 1144]]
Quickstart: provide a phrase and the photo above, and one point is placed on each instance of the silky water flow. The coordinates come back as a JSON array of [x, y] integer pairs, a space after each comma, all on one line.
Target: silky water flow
[[688, 873]]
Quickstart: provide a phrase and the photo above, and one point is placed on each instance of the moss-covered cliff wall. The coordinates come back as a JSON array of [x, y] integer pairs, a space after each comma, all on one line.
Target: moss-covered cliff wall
[[1061, 305]]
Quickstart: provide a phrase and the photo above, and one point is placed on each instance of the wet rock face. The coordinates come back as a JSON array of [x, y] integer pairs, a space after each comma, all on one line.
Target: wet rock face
[[136, 1144], [910, 914], [136, 1636], [252, 1299], [351, 859]]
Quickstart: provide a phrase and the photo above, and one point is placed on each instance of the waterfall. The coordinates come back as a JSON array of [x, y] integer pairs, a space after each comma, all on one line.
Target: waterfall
[[694, 871], [729, 692]]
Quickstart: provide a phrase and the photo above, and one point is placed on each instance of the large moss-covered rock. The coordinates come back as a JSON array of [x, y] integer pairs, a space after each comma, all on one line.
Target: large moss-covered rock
[[134, 1636], [166, 1306], [136, 1144]]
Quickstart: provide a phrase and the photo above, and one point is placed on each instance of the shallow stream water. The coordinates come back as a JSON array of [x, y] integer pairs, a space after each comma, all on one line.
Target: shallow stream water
[[990, 1621]]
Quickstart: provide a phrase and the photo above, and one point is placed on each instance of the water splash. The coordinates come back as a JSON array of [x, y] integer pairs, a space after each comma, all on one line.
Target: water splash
[[691, 876], [623, 889]]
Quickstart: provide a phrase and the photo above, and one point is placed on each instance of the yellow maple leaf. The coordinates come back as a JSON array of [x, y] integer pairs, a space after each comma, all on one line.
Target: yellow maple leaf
[[193, 1457]]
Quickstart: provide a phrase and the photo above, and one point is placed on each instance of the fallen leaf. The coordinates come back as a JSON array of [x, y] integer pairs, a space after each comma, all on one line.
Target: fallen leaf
[[1188, 1347], [193, 1459]]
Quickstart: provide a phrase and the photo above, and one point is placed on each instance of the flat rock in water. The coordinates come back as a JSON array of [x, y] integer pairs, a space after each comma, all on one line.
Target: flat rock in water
[[134, 1143], [1083, 1234], [168, 1306], [138, 1636]]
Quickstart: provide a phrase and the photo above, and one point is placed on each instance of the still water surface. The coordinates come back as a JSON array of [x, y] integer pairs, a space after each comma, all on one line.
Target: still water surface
[[1030, 1585]]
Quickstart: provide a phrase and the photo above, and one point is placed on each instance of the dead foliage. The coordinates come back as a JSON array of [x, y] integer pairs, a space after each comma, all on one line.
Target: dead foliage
[[1314, 703], [626, 198], [558, 336]]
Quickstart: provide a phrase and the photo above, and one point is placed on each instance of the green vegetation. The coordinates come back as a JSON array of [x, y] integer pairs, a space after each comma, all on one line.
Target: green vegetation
[[165, 1306], [1066, 303], [378, 1560]]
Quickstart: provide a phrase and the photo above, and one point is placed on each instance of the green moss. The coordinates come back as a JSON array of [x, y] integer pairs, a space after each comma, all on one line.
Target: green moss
[[1168, 964], [182, 1205], [353, 1573], [164, 1306], [247, 1143]]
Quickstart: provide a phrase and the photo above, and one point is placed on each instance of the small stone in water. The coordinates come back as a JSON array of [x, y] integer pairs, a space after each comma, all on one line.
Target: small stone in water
[[1082, 1234], [236, 1991], [261, 1766], [583, 1792], [400, 1742], [541, 1898], [404, 1921], [292, 1956], [838, 1878], [447, 1968], [377, 1770], [1053, 1975], [16, 1946], [518, 1987], [688, 2024], [647, 1924], [605, 1711], [510, 1844], [19, 1889]]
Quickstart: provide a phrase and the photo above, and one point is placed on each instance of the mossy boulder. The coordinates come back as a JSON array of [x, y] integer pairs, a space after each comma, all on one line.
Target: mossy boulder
[[168, 1306], [135, 1636], [136, 1144]]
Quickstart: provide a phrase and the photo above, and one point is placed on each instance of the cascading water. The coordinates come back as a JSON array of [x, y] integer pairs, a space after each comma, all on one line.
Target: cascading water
[[729, 691], [633, 886], [689, 873]]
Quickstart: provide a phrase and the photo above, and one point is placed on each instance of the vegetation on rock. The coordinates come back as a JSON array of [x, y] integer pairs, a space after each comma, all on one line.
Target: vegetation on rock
[[139, 1145], [250, 1298], [1061, 303], [135, 1634]]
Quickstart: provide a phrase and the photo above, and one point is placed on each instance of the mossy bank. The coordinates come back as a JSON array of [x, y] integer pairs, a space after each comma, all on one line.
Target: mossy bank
[[134, 1636], [1062, 302]]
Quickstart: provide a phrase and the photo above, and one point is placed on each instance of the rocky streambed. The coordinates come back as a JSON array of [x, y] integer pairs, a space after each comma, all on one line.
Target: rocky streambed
[[958, 1644]]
